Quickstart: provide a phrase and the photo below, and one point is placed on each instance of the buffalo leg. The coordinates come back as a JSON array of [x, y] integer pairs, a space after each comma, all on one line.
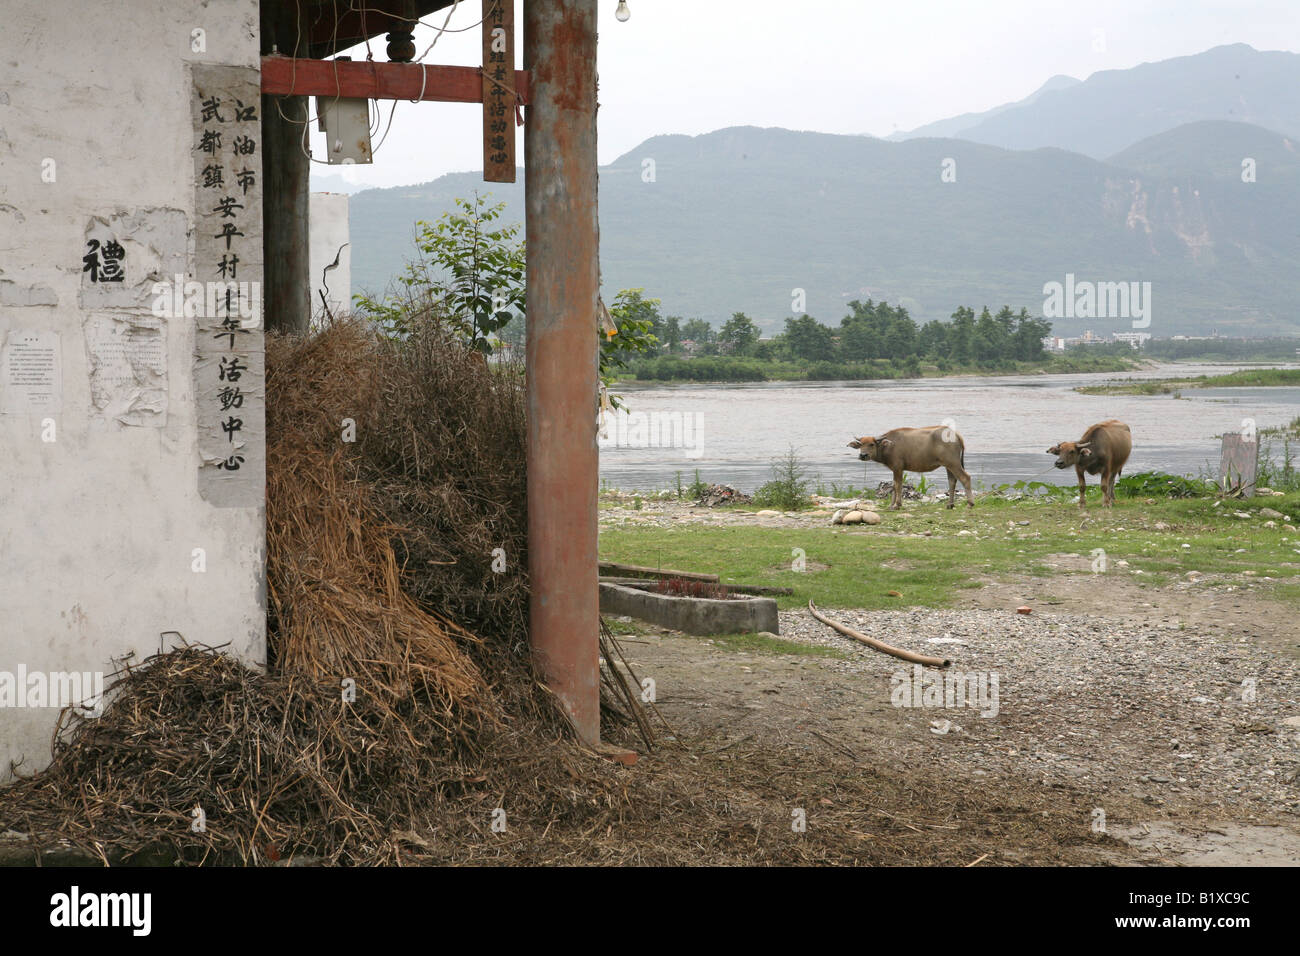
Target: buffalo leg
[[1083, 485], [898, 491], [964, 475], [952, 489]]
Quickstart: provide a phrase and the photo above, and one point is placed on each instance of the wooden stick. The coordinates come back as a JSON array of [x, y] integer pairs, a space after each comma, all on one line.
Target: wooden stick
[[632, 570], [740, 588], [878, 645]]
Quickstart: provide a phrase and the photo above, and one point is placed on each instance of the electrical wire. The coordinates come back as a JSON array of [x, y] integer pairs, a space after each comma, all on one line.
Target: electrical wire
[[354, 8]]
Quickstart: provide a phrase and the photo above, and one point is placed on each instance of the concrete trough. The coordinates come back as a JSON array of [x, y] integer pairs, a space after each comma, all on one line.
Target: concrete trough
[[743, 614]]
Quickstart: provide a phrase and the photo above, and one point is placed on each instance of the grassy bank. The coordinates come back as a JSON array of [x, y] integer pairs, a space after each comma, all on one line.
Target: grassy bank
[[1242, 378], [930, 556], [715, 369]]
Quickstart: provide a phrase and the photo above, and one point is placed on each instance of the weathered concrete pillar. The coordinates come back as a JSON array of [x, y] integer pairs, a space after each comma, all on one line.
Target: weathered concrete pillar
[[286, 186], [563, 279]]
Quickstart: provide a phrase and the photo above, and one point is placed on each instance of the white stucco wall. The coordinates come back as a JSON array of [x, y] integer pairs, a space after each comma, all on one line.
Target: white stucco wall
[[98, 527], [328, 230]]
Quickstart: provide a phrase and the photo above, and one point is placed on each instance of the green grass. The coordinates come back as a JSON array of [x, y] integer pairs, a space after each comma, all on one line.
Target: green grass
[[861, 568], [714, 368], [1242, 378]]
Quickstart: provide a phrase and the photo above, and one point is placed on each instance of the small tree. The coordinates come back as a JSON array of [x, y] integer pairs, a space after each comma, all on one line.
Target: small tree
[[469, 276], [633, 316], [788, 489]]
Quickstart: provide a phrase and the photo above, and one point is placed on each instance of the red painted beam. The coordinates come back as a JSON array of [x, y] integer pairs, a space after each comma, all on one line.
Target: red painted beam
[[365, 80]]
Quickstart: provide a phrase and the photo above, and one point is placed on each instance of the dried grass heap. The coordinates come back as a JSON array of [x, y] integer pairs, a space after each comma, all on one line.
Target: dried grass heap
[[394, 475]]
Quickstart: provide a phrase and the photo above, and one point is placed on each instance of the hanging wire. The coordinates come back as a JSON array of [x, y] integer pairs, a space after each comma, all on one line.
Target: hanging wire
[[353, 7]]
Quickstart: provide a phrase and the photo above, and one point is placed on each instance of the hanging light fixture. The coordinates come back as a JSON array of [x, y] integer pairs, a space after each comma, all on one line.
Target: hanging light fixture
[[622, 14]]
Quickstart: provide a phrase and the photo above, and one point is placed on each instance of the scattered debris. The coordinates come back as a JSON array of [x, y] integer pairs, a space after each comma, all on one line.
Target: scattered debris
[[715, 495]]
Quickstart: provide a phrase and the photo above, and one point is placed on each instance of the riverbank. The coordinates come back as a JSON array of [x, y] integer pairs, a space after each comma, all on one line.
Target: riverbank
[[1008, 422], [1241, 378], [923, 553], [728, 369]]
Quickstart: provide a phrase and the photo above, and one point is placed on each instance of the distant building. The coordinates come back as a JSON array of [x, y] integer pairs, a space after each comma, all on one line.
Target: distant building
[[1134, 339]]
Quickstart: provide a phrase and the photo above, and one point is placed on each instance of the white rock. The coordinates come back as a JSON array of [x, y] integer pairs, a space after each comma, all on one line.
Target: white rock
[[869, 517], [838, 517], [1270, 513], [853, 517], [769, 513]]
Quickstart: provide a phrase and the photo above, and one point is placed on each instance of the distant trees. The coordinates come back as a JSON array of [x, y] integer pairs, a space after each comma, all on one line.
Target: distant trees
[[702, 334], [870, 332], [671, 339], [739, 335], [809, 340]]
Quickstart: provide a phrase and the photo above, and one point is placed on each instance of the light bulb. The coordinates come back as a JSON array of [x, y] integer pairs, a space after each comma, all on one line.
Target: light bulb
[[622, 14]]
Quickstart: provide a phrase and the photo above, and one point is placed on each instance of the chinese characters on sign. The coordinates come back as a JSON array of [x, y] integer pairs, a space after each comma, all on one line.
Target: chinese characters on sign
[[229, 372], [498, 91]]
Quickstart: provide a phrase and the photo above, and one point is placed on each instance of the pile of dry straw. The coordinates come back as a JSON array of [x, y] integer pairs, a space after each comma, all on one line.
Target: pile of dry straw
[[398, 689]]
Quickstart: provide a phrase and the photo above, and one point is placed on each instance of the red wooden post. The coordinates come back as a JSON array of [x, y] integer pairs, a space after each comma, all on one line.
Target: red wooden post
[[563, 286]]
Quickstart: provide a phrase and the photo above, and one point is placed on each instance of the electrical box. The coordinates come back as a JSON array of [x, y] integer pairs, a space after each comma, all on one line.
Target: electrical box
[[346, 125]]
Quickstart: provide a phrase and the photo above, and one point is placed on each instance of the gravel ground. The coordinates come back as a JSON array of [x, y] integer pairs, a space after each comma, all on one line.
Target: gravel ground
[[665, 513], [1151, 711]]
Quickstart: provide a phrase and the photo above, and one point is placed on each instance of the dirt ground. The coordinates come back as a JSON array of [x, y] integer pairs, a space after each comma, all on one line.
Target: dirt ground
[[1088, 770]]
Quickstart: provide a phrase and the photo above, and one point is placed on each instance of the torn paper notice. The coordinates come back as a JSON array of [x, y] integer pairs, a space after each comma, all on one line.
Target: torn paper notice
[[128, 367]]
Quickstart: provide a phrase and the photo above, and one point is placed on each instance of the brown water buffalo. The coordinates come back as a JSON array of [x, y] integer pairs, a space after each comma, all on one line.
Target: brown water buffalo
[[1103, 449], [919, 449]]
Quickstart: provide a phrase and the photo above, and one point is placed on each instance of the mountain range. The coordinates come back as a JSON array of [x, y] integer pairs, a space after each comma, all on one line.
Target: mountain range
[[1183, 173]]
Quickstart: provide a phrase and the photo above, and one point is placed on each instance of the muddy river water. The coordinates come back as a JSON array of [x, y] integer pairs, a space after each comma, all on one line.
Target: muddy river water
[[731, 433]]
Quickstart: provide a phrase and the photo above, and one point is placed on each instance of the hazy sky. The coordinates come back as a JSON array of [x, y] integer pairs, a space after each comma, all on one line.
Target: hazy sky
[[834, 66]]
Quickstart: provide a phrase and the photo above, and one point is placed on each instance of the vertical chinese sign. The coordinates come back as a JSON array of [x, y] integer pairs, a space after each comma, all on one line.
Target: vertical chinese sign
[[225, 297], [498, 91]]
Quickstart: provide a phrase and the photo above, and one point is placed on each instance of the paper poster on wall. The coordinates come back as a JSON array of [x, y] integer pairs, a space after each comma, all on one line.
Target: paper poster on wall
[[31, 372], [128, 367]]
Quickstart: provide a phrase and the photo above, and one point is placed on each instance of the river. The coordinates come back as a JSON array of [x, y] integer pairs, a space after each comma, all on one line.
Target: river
[[731, 433]]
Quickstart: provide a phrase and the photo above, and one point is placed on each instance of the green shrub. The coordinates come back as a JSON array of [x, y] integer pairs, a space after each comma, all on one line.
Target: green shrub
[[1157, 484], [788, 489]]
